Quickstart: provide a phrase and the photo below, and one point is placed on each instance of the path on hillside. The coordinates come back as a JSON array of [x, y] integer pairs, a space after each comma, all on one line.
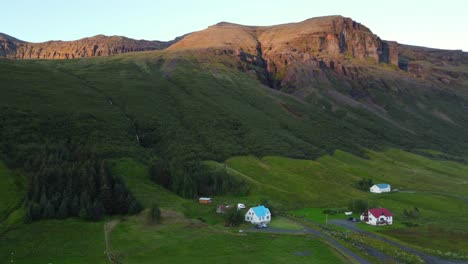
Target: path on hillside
[[428, 258], [108, 227], [307, 230], [437, 193]]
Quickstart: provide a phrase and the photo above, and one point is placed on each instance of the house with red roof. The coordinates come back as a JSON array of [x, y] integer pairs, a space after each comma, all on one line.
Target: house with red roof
[[377, 216]]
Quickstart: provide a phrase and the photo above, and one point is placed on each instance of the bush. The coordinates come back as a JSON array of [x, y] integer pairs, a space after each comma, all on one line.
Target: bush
[[364, 184], [154, 214], [233, 217], [358, 206], [411, 213]]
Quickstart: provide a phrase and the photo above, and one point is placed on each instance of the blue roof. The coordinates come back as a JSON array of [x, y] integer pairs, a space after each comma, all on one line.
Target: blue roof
[[383, 185], [260, 210]]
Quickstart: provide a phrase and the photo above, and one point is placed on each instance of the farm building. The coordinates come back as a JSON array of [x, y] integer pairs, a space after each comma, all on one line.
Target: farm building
[[380, 188], [204, 200], [258, 215], [377, 216]]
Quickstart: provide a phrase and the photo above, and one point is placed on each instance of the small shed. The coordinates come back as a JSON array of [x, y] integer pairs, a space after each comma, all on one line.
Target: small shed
[[204, 200], [380, 188]]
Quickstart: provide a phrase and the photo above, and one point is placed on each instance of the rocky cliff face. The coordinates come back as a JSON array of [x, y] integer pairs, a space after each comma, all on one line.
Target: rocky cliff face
[[316, 52], [446, 66], [294, 55], [100, 45]]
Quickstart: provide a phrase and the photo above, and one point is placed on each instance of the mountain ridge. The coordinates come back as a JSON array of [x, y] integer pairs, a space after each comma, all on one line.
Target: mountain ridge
[[98, 45]]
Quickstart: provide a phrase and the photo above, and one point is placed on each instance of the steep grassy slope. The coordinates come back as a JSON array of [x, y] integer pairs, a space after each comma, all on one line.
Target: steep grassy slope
[[181, 107], [328, 181], [12, 191]]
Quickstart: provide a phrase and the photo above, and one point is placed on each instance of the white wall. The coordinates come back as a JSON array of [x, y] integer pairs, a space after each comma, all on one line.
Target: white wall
[[373, 220], [254, 219], [375, 189]]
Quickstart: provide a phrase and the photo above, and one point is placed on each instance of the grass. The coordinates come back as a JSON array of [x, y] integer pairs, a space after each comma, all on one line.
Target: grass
[[135, 175], [181, 105], [310, 186], [136, 243], [294, 183], [75, 241], [440, 227], [284, 223], [12, 188], [318, 216], [12, 191], [54, 241]]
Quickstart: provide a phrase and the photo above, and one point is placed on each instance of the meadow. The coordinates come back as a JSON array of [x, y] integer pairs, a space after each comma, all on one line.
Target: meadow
[[178, 240]]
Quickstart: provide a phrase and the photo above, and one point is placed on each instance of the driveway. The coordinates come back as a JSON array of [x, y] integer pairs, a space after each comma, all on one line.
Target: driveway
[[428, 258]]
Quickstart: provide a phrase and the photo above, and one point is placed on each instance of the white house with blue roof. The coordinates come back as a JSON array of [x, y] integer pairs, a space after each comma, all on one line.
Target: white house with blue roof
[[258, 215], [380, 188]]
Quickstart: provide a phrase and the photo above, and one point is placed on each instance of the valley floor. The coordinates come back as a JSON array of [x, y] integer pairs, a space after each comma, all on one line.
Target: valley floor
[[301, 189]]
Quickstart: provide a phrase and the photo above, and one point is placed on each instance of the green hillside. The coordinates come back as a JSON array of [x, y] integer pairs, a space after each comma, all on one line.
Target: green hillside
[[180, 107], [295, 152]]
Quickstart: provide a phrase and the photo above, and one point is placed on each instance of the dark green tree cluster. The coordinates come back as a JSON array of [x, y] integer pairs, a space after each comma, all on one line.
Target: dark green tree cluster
[[69, 181], [411, 213], [272, 208], [359, 206], [193, 178], [233, 217], [364, 184]]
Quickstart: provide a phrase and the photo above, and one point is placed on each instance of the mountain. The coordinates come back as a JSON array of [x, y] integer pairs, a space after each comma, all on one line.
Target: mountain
[[99, 45], [300, 116], [347, 89], [292, 57]]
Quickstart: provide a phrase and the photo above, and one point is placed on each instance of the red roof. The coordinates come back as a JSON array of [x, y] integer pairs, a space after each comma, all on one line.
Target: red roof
[[379, 211]]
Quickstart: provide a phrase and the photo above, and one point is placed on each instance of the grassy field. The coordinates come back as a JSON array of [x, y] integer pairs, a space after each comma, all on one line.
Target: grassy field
[[198, 243], [284, 223], [54, 241], [175, 241], [12, 191], [12, 187], [328, 181], [437, 188]]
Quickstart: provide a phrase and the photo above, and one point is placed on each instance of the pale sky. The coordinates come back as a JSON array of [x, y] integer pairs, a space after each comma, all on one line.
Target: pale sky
[[430, 23]]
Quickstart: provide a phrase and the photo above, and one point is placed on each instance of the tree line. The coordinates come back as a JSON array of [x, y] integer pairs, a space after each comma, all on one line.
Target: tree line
[[194, 178], [67, 180]]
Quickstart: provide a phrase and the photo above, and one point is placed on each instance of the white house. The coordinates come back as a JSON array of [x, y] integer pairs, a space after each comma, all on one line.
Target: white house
[[377, 216], [380, 188], [258, 215]]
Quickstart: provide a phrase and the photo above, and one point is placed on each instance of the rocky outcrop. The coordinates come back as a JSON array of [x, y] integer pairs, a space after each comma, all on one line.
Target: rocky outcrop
[[295, 55], [442, 66], [99, 45], [313, 53]]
